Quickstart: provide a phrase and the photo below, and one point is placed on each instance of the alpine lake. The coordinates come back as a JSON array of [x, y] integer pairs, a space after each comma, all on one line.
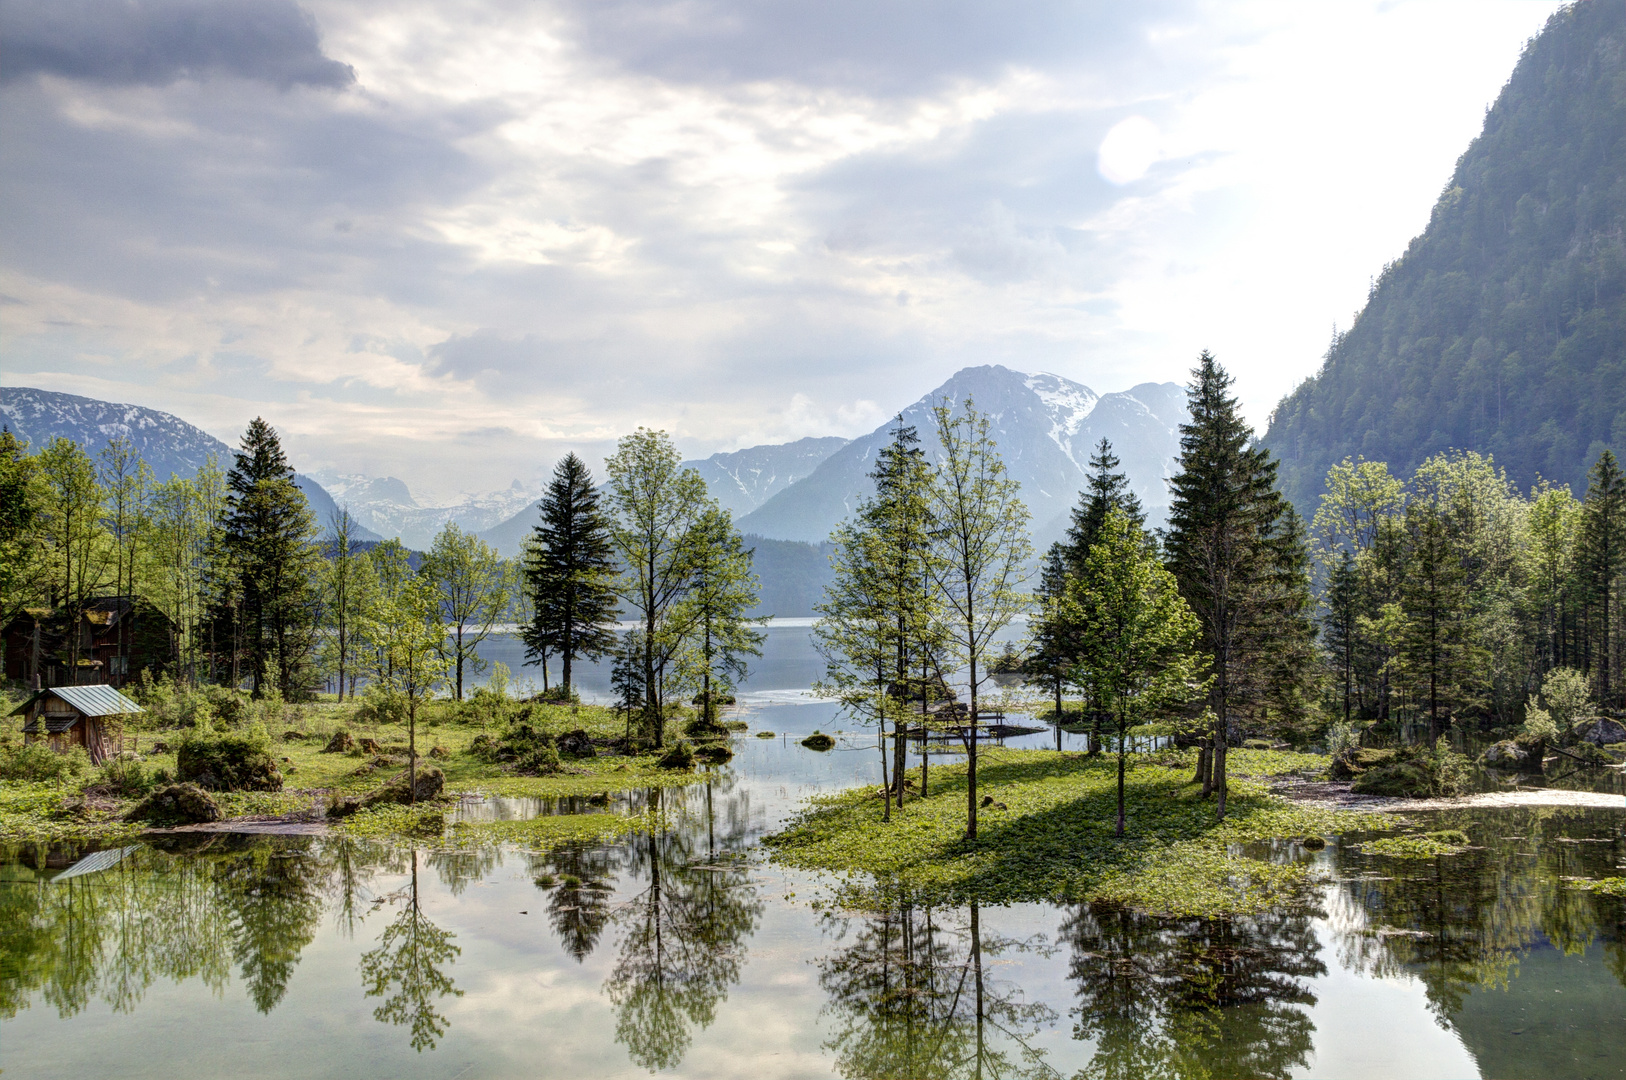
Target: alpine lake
[[684, 950]]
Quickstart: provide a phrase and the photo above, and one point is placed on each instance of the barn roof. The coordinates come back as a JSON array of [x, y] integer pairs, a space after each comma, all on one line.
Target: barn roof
[[96, 700]]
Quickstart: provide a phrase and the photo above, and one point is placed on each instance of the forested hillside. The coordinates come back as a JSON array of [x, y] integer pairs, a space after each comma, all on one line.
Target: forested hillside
[[1503, 327]]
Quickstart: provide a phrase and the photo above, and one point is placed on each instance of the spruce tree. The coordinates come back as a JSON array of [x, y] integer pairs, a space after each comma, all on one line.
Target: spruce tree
[[1233, 547], [270, 537], [1107, 490], [570, 573], [1601, 559], [1341, 602], [1435, 636]]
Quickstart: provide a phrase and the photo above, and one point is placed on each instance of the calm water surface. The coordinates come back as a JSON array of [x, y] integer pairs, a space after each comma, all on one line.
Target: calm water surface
[[684, 952]]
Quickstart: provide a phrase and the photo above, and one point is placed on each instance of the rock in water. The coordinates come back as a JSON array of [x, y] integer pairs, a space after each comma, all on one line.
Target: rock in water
[[1506, 754], [818, 741], [1600, 731], [184, 804], [342, 743]]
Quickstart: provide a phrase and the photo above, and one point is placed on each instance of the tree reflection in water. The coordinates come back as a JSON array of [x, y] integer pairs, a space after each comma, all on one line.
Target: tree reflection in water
[[911, 995], [1193, 997], [683, 935], [406, 969]]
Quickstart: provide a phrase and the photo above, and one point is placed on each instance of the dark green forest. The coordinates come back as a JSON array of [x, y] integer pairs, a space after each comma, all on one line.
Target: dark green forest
[[1502, 329]]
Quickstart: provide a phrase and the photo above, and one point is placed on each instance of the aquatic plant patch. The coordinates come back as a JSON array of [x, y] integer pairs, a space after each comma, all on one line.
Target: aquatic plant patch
[[1415, 847], [1053, 839], [1609, 886]]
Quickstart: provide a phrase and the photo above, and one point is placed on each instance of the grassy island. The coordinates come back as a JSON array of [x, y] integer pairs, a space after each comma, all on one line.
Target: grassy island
[[1048, 836]]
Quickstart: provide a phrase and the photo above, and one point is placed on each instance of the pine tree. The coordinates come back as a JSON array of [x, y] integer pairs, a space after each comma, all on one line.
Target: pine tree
[[1233, 548], [1107, 490], [1341, 604], [1601, 559], [1435, 644], [1052, 644], [722, 588], [570, 573], [270, 537]]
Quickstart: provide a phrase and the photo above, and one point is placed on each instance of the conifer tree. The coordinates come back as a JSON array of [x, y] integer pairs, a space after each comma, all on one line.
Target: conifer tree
[[20, 512], [1107, 490], [722, 588], [1436, 642], [1233, 547], [1601, 559], [1341, 604], [270, 537], [570, 573]]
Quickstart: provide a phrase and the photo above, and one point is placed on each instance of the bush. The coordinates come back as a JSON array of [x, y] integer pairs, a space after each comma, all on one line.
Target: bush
[[819, 741], [228, 762], [122, 777], [38, 761], [528, 749], [680, 756], [381, 704]]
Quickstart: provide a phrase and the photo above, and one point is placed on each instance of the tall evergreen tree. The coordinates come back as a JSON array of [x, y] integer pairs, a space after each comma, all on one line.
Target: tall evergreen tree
[[570, 573], [270, 535], [1107, 490], [1436, 641], [1341, 604], [1234, 549], [1602, 558]]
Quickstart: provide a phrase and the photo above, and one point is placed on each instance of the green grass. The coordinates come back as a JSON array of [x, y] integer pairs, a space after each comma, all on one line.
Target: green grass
[[49, 813], [1056, 842]]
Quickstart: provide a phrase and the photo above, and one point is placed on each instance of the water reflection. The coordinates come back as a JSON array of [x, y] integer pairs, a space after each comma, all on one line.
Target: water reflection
[[1194, 997], [407, 968], [912, 995]]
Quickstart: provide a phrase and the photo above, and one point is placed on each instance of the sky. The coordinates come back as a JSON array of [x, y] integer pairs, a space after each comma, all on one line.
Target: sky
[[450, 241]]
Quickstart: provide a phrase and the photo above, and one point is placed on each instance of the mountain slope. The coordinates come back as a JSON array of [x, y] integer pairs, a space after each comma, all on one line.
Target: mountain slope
[[168, 444], [1503, 327], [385, 505], [1046, 428], [743, 480]]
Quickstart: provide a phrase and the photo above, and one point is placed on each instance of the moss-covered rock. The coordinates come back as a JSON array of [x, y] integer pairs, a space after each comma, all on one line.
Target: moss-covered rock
[[680, 756], [176, 804], [342, 743], [1599, 731], [228, 763], [1506, 754], [819, 741], [1416, 773], [714, 753], [398, 790], [1355, 760], [576, 744]]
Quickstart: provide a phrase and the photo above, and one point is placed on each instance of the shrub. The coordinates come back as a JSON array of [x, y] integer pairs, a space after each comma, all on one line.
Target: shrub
[[680, 756], [120, 776], [381, 704], [1417, 773], [38, 761], [176, 804], [228, 762]]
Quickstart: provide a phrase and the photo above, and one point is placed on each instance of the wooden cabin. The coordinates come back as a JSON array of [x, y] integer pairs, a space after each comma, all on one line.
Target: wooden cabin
[[110, 639], [69, 716]]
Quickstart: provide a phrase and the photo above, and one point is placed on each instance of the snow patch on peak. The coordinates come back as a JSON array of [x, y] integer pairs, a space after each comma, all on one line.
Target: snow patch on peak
[[1069, 405]]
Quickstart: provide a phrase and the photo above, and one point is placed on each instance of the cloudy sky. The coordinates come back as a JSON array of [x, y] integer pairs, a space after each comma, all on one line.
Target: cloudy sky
[[446, 241]]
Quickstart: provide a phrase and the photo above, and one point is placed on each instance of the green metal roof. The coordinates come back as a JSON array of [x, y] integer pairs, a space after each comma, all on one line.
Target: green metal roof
[[99, 700]]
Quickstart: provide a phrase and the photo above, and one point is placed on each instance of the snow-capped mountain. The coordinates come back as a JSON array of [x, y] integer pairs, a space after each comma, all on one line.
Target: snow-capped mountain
[[386, 506], [743, 480], [168, 444], [1046, 428]]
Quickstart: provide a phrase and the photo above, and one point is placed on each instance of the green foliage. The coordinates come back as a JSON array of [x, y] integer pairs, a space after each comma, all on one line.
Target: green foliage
[[1609, 886], [471, 591], [1417, 773], [382, 703], [125, 778], [1500, 328], [227, 762], [1055, 841], [37, 762], [1428, 846]]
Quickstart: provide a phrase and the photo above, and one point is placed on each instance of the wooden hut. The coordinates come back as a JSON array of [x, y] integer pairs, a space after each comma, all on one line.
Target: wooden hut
[[68, 716]]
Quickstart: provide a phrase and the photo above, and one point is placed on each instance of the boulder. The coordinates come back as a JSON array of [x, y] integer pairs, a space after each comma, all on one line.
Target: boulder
[[342, 743], [576, 744], [1599, 731], [1355, 760], [680, 756], [439, 752], [179, 804], [431, 781], [1506, 754], [293, 736], [228, 763]]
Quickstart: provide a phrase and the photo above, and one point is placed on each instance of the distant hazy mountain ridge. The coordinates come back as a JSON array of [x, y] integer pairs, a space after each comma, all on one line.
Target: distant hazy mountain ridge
[[743, 480], [168, 444], [387, 506]]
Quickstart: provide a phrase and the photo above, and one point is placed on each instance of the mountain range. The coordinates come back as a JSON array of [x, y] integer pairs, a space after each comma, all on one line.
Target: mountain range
[[168, 444], [1502, 328]]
